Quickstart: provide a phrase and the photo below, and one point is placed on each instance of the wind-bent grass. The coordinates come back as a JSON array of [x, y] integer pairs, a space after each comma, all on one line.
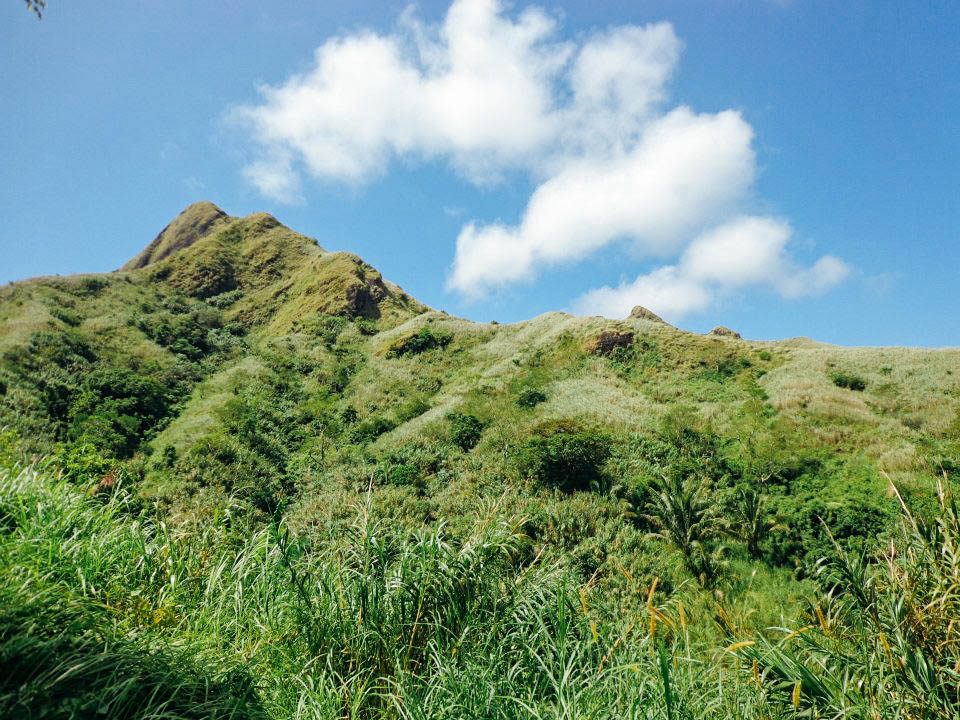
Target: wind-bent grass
[[105, 612], [885, 640]]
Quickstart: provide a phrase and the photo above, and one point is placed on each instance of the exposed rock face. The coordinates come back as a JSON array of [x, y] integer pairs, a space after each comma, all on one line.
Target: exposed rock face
[[606, 341], [641, 313], [721, 331]]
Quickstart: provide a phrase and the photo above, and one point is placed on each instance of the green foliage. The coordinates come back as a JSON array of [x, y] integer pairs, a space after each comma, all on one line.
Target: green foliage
[[369, 429], [465, 430], [848, 380], [114, 409], [566, 458], [365, 326], [883, 640], [723, 368], [191, 330], [530, 397], [83, 463], [426, 338], [325, 328], [131, 620], [413, 408], [211, 270], [66, 315], [683, 510], [216, 415]]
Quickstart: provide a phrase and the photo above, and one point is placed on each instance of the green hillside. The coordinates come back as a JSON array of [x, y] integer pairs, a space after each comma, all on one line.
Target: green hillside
[[244, 476]]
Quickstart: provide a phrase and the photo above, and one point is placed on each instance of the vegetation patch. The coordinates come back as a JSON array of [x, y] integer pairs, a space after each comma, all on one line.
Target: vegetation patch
[[530, 397], [420, 341], [606, 341], [848, 380], [465, 430], [564, 456]]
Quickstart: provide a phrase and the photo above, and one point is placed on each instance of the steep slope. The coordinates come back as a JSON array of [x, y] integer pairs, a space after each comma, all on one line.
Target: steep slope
[[189, 226]]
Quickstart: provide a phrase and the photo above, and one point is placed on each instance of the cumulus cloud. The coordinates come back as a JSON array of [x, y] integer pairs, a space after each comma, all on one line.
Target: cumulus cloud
[[683, 172], [745, 251], [478, 89], [587, 121]]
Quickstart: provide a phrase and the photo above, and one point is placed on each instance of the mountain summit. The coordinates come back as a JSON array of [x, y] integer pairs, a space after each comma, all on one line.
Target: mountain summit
[[193, 223]]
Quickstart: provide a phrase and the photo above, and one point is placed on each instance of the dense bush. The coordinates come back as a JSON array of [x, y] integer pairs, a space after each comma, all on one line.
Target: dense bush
[[530, 397], [188, 330], [848, 380], [424, 339], [465, 430], [115, 408], [883, 639], [326, 328], [567, 459], [370, 429]]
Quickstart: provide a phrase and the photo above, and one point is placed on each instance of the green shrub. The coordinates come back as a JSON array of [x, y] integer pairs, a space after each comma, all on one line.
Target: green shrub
[[114, 409], [365, 326], [225, 299], [370, 429], [424, 339], [66, 315], [530, 397], [566, 459], [411, 409], [326, 328], [82, 463], [465, 430], [848, 380]]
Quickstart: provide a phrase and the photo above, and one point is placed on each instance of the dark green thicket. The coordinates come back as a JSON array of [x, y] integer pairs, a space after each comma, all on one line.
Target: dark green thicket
[[565, 457], [530, 397], [424, 339], [465, 430], [849, 380]]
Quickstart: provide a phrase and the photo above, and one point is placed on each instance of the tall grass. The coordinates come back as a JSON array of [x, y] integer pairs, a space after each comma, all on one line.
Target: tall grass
[[107, 612], [884, 642]]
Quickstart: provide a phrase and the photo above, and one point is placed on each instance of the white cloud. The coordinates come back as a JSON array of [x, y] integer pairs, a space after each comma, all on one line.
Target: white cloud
[[491, 92], [684, 171], [488, 92], [746, 251], [479, 89], [666, 291]]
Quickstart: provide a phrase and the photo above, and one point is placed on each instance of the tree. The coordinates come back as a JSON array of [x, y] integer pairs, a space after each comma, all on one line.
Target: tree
[[753, 521], [684, 511]]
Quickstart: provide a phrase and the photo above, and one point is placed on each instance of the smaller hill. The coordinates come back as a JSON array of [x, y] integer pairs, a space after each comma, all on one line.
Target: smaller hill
[[639, 312]]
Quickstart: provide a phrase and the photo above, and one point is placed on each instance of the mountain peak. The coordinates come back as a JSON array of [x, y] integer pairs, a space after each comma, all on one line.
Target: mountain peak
[[196, 221]]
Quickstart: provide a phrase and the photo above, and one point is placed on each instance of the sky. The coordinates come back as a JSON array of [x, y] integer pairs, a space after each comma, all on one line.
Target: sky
[[782, 167]]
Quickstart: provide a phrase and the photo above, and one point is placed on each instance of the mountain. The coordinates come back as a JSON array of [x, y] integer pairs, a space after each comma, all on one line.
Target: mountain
[[235, 377]]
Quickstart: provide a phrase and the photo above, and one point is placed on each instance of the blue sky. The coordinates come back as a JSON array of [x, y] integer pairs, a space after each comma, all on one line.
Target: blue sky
[[784, 168]]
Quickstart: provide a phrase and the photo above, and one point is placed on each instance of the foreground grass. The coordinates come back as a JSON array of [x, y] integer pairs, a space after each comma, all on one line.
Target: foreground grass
[[105, 612]]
